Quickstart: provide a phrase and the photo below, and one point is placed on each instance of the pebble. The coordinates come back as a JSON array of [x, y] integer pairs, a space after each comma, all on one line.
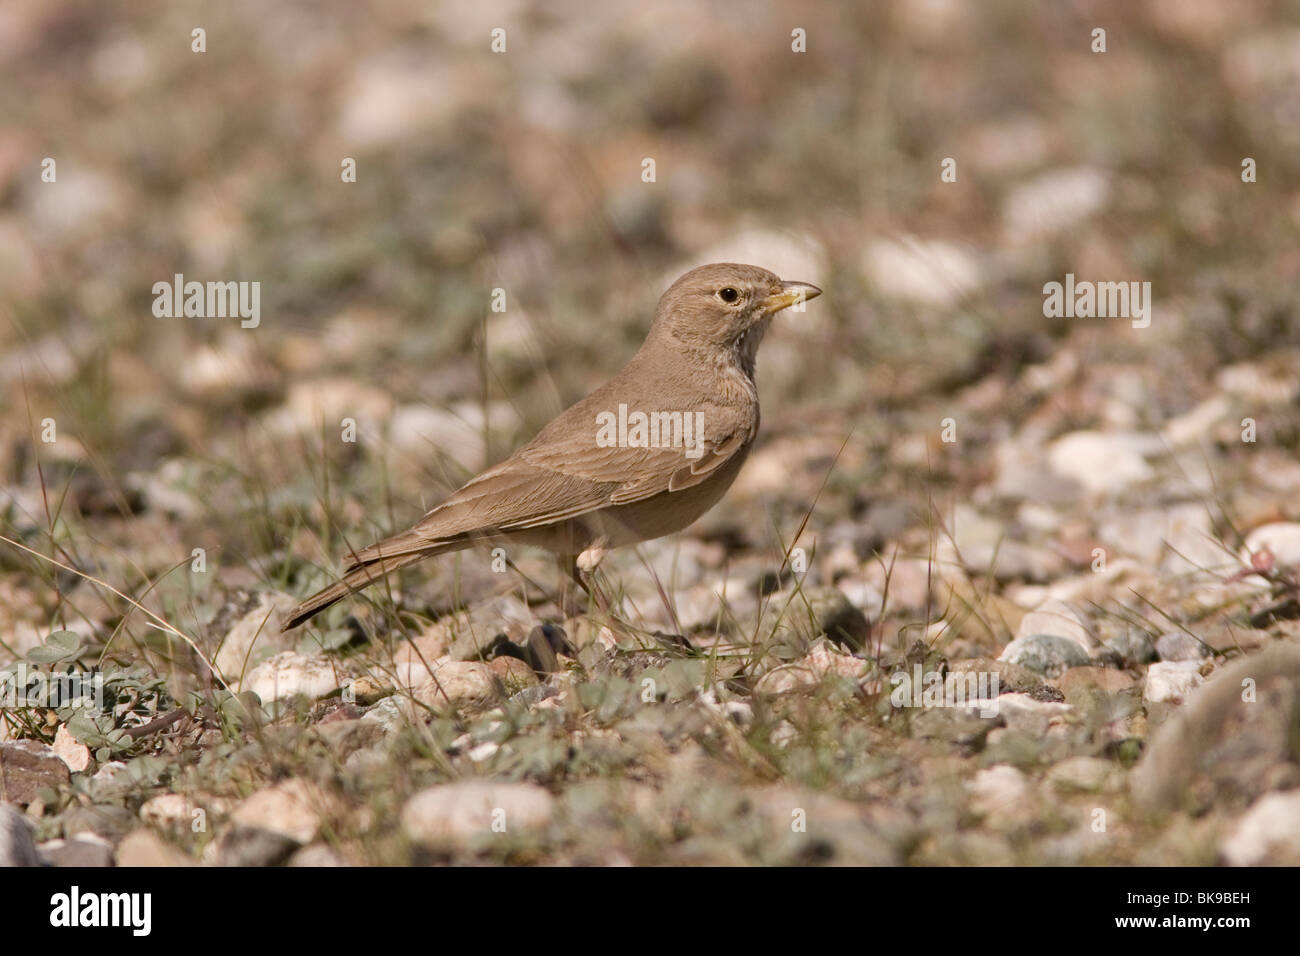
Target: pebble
[[26, 766], [167, 809], [82, 850], [292, 809], [1053, 202], [1027, 715], [1268, 834], [1103, 463], [1058, 619], [75, 755], [317, 855], [1078, 682], [820, 663], [1001, 793], [455, 813], [1172, 681], [289, 675], [259, 626], [1282, 538], [458, 684], [1045, 654], [17, 848], [1133, 647], [929, 272], [1087, 774]]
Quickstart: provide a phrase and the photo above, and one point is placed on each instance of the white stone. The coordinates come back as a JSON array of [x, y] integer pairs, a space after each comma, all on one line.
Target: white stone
[[1103, 463], [1059, 619], [1172, 680], [75, 755], [930, 272], [290, 675], [1000, 791], [1267, 834], [1054, 201], [1282, 538], [293, 808], [458, 812], [457, 684]]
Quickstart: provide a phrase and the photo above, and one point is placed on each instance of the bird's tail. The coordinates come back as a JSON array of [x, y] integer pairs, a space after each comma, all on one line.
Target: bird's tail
[[354, 579]]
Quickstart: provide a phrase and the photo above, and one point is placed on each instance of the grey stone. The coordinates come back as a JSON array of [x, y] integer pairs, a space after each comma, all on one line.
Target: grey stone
[[16, 845], [1045, 654]]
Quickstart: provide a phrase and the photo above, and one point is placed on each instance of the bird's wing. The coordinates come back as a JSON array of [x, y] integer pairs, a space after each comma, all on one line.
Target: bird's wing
[[635, 474], [563, 474]]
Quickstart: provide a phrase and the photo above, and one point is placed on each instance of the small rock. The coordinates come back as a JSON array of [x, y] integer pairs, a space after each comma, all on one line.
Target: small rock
[[1180, 646], [257, 623], [394, 713], [293, 808], [1133, 647], [85, 849], [811, 669], [1011, 677], [1172, 681], [515, 674], [250, 846], [458, 812], [1059, 619], [1087, 774], [906, 582], [1001, 792], [458, 684], [931, 272], [105, 820], [168, 809], [1078, 682], [474, 632], [1024, 714], [783, 734], [345, 737], [25, 767], [75, 755], [317, 855], [1282, 538], [1045, 654], [367, 690], [1104, 463], [17, 848], [1268, 834], [290, 674], [146, 848]]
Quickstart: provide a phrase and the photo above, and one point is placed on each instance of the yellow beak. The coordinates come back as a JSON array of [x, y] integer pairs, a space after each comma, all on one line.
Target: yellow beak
[[791, 293]]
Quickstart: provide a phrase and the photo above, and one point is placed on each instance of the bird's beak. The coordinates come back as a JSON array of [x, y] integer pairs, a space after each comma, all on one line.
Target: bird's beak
[[791, 293]]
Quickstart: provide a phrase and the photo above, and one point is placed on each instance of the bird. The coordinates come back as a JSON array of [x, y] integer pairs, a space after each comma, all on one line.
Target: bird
[[603, 474]]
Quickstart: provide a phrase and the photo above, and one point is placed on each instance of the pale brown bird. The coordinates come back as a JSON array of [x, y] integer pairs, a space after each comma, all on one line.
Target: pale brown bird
[[592, 480]]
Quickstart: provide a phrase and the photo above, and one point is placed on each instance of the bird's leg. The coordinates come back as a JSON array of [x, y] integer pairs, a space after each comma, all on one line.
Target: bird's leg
[[570, 564], [570, 581]]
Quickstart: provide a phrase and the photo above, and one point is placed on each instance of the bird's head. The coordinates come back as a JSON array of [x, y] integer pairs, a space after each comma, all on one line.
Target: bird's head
[[726, 306]]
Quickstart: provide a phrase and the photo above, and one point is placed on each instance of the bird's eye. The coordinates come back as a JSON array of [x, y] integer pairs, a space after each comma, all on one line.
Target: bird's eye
[[728, 294]]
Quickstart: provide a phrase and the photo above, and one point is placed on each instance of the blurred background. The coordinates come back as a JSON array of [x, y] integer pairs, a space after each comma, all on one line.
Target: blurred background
[[522, 170]]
